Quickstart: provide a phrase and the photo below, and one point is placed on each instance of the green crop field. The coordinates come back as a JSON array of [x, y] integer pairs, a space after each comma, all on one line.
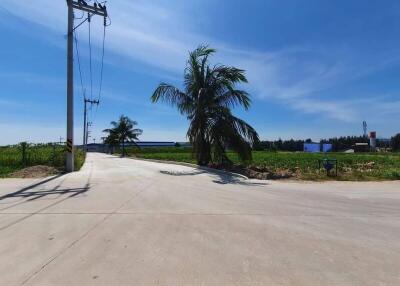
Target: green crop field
[[353, 166], [13, 158]]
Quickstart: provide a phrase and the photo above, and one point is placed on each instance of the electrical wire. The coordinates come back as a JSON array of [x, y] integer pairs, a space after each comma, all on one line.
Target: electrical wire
[[102, 62], [107, 22], [79, 63], [81, 23], [90, 58], [101, 70], [81, 17]]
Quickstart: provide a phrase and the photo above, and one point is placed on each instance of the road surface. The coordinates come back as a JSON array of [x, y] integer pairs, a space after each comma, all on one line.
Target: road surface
[[129, 222]]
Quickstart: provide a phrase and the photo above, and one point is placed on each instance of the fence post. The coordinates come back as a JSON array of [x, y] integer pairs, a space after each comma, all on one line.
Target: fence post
[[23, 145], [54, 154]]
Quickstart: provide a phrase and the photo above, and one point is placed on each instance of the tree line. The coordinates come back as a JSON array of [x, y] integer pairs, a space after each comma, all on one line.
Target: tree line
[[338, 143]]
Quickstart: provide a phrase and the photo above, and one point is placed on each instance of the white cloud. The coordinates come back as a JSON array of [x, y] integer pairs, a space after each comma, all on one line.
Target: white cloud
[[152, 33], [32, 78], [156, 108]]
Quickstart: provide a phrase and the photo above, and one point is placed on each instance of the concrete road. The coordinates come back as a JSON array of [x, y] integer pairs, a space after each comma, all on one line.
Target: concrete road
[[128, 222]]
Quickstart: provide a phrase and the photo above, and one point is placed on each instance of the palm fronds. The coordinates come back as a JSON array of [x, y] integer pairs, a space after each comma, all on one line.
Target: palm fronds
[[122, 132], [209, 94]]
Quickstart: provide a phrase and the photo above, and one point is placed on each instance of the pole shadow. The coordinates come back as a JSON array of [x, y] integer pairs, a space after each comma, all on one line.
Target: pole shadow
[[28, 194]]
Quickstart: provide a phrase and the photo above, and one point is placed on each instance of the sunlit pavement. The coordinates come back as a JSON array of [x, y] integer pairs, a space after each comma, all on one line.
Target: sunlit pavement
[[129, 222]]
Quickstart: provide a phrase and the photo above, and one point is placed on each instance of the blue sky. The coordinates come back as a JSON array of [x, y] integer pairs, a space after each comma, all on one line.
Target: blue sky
[[316, 69]]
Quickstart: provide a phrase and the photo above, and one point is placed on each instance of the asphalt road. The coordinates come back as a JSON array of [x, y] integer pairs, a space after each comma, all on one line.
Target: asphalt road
[[128, 222]]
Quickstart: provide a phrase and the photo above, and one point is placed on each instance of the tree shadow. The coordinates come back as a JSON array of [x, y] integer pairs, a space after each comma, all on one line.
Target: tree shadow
[[173, 173], [226, 180], [220, 177]]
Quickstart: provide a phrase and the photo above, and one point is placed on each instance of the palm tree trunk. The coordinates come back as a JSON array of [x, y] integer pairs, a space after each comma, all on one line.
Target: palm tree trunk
[[204, 150]]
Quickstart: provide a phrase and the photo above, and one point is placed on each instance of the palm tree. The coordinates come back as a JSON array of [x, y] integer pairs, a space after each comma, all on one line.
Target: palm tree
[[111, 140], [123, 131], [208, 96]]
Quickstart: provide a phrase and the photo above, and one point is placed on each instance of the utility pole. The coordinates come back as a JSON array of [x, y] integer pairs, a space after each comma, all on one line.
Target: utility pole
[[96, 9], [87, 131], [85, 128], [84, 124], [70, 89], [365, 129]]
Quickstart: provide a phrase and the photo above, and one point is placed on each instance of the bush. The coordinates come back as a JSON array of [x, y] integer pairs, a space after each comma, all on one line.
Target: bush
[[395, 142]]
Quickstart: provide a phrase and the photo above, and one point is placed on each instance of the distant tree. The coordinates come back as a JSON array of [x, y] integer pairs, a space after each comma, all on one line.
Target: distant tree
[[338, 143], [395, 142], [122, 132], [207, 100], [258, 146], [111, 140], [278, 144]]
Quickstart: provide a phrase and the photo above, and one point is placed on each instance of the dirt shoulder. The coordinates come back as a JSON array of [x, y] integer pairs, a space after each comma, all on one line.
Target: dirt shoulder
[[39, 171]]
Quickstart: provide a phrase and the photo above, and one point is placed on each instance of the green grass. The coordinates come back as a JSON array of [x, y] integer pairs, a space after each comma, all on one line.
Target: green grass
[[355, 167], [11, 158], [79, 159]]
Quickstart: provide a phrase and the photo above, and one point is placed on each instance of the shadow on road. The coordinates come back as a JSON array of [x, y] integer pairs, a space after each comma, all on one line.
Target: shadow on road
[[182, 173], [34, 195], [23, 190], [27, 194], [220, 177], [30, 194]]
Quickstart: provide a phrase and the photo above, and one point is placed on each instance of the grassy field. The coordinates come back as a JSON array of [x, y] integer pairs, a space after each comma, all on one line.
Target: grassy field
[[12, 159], [299, 165]]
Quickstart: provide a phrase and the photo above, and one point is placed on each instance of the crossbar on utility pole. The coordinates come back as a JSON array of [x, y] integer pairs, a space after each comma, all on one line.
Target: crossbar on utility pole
[[95, 9]]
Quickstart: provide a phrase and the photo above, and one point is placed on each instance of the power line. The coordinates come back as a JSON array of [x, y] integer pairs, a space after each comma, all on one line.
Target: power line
[[95, 9], [81, 17], [79, 63], [90, 57], [102, 60], [88, 19], [102, 68]]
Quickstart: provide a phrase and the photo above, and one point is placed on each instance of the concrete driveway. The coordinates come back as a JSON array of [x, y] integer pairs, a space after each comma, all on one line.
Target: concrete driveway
[[129, 222]]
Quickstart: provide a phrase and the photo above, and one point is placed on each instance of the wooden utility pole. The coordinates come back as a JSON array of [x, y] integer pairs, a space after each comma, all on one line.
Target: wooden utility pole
[[70, 89], [87, 131], [95, 9], [85, 126]]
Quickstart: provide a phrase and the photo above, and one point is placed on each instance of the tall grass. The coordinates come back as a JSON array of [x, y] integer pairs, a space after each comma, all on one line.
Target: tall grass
[[16, 157]]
